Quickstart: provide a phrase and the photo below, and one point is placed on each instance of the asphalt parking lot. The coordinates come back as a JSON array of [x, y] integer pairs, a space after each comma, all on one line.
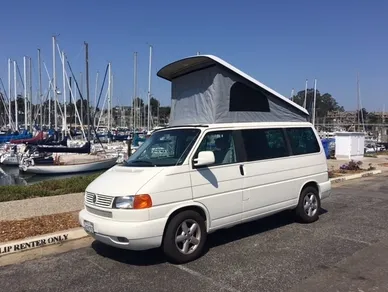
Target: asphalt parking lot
[[346, 250]]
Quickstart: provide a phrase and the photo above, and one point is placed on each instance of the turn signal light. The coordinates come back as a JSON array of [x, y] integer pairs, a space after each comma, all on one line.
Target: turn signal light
[[142, 202]]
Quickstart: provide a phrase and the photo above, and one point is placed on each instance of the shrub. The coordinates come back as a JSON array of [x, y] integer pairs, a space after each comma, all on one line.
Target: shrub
[[47, 188]]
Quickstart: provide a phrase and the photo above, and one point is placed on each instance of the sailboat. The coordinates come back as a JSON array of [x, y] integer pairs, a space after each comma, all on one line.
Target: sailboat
[[65, 164]]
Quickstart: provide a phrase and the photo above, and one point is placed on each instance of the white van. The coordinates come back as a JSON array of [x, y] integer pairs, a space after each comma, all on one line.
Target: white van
[[186, 182]]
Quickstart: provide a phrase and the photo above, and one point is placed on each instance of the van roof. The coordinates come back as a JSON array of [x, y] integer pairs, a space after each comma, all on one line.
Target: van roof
[[243, 125], [198, 62]]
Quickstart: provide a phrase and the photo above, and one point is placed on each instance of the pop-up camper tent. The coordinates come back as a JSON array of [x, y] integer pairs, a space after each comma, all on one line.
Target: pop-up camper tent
[[208, 90]]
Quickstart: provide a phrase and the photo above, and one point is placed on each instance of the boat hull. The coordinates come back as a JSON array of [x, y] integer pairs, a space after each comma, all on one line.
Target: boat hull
[[71, 168], [7, 159]]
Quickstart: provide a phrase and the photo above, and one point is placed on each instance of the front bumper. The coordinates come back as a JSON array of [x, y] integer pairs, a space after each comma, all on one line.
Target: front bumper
[[125, 235]]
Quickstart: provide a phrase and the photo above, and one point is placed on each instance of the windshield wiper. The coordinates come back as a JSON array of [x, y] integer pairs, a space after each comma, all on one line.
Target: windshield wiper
[[140, 161]]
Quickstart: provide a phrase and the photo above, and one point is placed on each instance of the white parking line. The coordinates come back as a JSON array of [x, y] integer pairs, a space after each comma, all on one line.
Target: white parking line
[[207, 279], [351, 239]]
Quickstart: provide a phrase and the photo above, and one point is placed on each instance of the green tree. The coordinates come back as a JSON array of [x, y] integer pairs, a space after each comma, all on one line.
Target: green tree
[[154, 106], [373, 118], [138, 102], [325, 103], [164, 114]]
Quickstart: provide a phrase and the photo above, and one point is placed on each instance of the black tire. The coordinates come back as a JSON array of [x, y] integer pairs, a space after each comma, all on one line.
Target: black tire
[[172, 249], [316, 204]]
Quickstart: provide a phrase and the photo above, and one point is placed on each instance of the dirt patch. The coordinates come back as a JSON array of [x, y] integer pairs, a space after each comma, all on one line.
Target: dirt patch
[[342, 172], [383, 164], [19, 229]]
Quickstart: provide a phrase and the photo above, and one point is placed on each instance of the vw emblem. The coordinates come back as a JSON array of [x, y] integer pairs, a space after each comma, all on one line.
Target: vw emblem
[[94, 199]]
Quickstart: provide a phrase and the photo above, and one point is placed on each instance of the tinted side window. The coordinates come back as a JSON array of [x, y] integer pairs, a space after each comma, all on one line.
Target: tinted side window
[[302, 140], [262, 144], [222, 144]]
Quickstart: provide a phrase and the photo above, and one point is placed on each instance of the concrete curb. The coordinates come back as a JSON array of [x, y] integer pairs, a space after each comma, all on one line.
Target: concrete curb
[[41, 240], [354, 176]]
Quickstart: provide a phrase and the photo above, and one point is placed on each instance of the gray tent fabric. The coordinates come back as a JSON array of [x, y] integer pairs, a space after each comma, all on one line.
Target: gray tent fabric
[[204, 97]]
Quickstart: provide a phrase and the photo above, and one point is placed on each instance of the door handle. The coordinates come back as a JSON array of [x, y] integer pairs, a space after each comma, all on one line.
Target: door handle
[[241, 169]]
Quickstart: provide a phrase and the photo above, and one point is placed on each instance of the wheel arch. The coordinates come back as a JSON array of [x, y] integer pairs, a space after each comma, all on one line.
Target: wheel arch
[[195, 206], [311, 183]]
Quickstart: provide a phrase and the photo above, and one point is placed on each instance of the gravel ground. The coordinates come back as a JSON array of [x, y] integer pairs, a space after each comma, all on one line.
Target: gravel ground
[[24, 228], [345, 250], [21, 209]]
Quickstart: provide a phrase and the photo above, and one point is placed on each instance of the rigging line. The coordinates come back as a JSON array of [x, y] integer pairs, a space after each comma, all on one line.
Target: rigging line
[[5, 91], [20, 75], [79, 53], [102, 88], [35, 71], [4, 100], [80, 95]]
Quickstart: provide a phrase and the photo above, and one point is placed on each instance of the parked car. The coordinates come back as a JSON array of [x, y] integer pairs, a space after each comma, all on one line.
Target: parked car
[[207, 178]]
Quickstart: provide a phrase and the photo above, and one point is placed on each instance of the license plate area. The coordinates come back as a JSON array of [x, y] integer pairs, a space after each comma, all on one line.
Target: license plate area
[[89, 227]]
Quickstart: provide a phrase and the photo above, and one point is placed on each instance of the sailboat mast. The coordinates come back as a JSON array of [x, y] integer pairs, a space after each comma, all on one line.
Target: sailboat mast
[[87, 87], [358, 103], [95, 100], [64, 95], [16, 96], [149, 90], [40, 89], [305, 95], [81, 98], [315, 101], [111, 100], [109, 95], [30, 90], [75, 106], [70, 97], [134, 88], [55, 86], [25, 90], [9, 94]]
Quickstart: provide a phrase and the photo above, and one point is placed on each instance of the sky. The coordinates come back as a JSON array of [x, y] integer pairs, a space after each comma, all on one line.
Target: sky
[[281, 43]]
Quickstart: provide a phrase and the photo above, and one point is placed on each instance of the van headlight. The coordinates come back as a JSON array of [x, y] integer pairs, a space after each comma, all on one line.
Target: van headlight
[[133, 202], [124, 202]]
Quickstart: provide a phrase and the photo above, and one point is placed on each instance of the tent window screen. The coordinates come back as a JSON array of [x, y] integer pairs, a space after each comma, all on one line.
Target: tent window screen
[[244, 98]]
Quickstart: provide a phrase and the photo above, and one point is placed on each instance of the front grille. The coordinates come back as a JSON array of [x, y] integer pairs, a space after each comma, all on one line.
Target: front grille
[[101, 213], [98, 200]]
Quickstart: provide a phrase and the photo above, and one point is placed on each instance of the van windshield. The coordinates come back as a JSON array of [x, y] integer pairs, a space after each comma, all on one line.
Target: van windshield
[[164, 148]]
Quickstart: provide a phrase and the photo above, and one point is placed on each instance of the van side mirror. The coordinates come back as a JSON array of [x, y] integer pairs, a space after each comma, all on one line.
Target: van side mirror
[[204, 158]]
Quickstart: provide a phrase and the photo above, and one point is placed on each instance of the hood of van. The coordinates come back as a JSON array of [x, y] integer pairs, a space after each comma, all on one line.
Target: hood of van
[[122, 180]]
